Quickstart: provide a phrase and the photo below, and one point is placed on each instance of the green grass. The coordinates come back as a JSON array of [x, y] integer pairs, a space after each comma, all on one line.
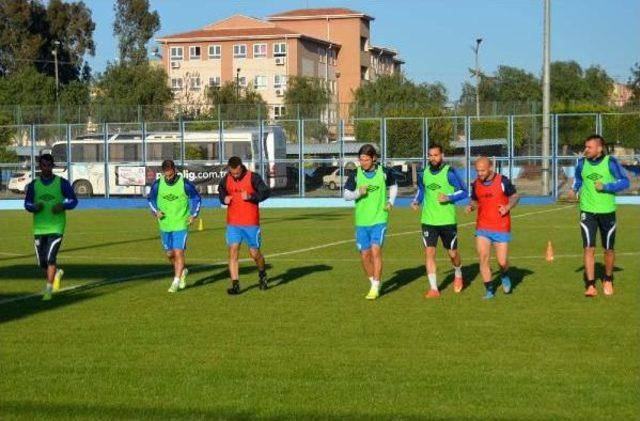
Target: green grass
[[311, 346]]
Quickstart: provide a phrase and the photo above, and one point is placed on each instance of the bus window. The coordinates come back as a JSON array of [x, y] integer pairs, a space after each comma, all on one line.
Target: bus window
[[162, 151], [125, 152], [239, 149], [59, 153], [90, 152]]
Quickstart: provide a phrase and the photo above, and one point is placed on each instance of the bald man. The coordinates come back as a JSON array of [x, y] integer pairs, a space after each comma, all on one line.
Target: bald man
[[493, 195]]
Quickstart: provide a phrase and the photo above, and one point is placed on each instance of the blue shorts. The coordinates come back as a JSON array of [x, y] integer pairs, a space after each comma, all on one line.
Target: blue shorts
[[494, 236], [368, 236], [249, 233], [174, 240]]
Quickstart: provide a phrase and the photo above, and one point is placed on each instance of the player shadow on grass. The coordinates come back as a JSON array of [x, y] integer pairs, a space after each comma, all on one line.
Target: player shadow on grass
[[599, 269], [516, 275], [469, 274], [401, 278], [224, 275], [296, 273]]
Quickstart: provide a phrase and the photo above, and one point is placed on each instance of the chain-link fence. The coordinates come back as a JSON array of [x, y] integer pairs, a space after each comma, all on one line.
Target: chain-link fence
[[311, 157]]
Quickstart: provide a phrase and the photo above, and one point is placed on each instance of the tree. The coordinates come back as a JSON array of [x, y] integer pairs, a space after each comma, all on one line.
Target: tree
[[569, 83], [396, 96], [634, 83], [29, 33], [127, 86], [233, 102], [134, 26], [306, 97]]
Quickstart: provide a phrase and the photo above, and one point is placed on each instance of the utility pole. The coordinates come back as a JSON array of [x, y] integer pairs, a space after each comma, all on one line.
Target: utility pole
[[475, 50], [546, 97]]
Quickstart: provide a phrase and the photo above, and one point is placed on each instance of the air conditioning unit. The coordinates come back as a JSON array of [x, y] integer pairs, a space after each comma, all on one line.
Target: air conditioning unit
[[280, 61], [279, 92], [175, 64]]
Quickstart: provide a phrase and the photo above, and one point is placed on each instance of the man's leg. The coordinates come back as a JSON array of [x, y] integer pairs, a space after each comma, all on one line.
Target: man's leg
[[449, 236], [47, 252], [367, 263], [430, 263], [607, 225], [483, 247], [502, 256], [234, 250], [588, 228], [258, 258]]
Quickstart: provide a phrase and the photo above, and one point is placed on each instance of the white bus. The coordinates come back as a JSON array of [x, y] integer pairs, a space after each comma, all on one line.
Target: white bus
[[127, 165]]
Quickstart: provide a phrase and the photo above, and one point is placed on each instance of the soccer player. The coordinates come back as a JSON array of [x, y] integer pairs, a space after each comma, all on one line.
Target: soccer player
[[48, 198], [175, 203], [438, 189], [368, 187], [242, 191], [598, 177], [494, 196]]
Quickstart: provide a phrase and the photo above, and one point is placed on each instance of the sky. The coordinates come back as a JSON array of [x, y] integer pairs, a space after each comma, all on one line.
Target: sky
[[435, 37]]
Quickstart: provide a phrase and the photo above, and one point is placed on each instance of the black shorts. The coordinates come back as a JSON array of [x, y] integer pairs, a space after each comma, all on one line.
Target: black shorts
[[47, 247], [591, 222], [448, 233]]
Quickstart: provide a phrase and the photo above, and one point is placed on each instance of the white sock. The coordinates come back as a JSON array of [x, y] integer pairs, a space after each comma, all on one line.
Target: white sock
[[48, 287], [458, 271], [176, 279], [375, 283], [433, 283]]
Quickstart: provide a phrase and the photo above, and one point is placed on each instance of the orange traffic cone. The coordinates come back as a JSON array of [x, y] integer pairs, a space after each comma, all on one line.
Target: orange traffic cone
[[549, 253]]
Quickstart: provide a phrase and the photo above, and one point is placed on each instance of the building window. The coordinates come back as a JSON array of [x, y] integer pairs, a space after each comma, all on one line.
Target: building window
[[214, 82], [279, 111], [280, 81], [280, 49], [364, 73], [240, 51], [176, 53], [259, 50], [176, 84], [194, 52], [260, 82], [364, 43], [215, 51], [242, 81], [332, 57], [322, 54], [194, 83]]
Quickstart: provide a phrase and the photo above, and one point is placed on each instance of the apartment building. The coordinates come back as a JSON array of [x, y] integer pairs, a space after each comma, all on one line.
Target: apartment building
[[330, 44]]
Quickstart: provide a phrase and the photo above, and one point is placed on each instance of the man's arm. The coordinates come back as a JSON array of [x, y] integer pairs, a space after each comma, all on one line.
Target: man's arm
[[29, 198], [70, 200], [461, 189], [152, 198], [509, 190], [222, 189], [261, 190], [419, 197], [622, 181], [577, 176], [392, 184], [194, 198], [350, 190], [473, 203]]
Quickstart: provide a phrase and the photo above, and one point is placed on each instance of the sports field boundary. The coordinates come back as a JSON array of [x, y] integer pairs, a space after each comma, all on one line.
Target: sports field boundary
[[95, 284]]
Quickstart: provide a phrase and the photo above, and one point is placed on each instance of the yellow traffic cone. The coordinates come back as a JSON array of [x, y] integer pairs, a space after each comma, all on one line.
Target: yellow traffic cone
[[200, 224], [549, 253]]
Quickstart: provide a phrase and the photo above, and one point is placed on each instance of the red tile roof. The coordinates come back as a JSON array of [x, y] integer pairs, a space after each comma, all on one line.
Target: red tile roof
[[329, 11], [241, 33]]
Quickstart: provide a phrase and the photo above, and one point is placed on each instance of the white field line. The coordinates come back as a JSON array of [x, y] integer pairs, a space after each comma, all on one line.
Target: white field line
[[273, 255]]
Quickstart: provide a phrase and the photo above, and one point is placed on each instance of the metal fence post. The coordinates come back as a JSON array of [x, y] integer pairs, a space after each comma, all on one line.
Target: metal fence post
[[33, 150], [261, 148], [69, 172], [554, 154], [303, 186], [383, 141], [511, 141], [467, 152], [144, 148], [425, 141], [183, 148], [342, 164], [105, 135]]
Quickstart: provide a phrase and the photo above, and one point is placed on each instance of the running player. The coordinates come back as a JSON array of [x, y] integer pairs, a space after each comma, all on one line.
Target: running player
[[242, 191], [598, 177], [48, 198], [175, 203], [368, 187], [494, 196], [438, 189]]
